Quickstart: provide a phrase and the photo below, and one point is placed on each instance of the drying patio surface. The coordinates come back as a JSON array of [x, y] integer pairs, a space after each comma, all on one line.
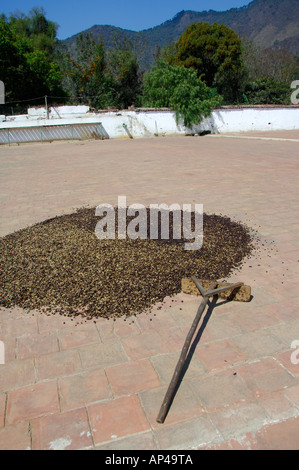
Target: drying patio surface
[[68, 383]]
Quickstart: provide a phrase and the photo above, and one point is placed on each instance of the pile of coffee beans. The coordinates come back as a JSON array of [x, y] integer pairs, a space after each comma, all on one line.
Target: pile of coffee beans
[[60, 266]]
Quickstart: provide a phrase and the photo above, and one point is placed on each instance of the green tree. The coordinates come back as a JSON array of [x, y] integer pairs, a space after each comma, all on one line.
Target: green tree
[[166, 53], [47, 73], [267, 91], [123, 70], [86, 78], [126, 80], [28, 64], [215, 52], [35, 29], [280, 65], [268, 74], [13, 67], [179, 88], [102, 78]]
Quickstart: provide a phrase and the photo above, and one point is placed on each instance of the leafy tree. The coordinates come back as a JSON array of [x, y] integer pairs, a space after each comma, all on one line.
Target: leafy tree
[[267, 91], [35, 29], [87, 81], [103, 78], [40, 24], [215, 52], [179, 88], [268, 74], [13, 65], [47, 73], [280, 65], [126, 80], [166, 53], [123, 70], [27, 63]]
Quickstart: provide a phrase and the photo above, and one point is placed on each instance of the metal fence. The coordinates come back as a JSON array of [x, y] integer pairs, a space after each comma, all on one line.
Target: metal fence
[[50, 133]]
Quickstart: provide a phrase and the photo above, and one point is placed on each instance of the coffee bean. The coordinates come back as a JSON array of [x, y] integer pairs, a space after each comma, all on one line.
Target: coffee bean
[[59, 266]]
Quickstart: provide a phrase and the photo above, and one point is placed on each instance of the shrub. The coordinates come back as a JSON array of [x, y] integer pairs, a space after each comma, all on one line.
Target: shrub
[[180, 89]]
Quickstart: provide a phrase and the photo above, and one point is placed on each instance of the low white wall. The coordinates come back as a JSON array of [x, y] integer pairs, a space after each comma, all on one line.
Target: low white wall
[[146, 122], [57, 112], [254, 119]]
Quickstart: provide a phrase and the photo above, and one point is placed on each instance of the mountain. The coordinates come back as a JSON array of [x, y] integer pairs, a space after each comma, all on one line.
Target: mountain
[[269, 23]]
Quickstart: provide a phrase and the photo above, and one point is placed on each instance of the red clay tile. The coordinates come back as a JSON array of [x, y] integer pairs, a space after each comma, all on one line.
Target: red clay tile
[[37, 344], [187, 434], [102, 354], [54, 322], [287, 310], [165, 365], [278, 406], [259, 343], [24, 325], [292, 394], [280, 436], [236, 420], [185, 405], [158, 320], [16, 437], [142, 441], [82, 389], [288, 359], [221, 327], [117, 418], [220, 390], [62, 431], [78, 336], [219, 355], [2, 409], [144, 345], [132, 377], [246, 442], [126, 327], [259, 317], [16, 374], [32, 402], [265, 376], [174, 338], [105, 328], [57, 364]]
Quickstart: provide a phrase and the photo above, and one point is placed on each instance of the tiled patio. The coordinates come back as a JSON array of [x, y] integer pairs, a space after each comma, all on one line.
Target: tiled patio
[[74, 384]]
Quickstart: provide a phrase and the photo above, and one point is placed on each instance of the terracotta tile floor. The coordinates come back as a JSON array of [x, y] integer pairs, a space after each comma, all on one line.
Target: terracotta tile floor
[[82, 385]]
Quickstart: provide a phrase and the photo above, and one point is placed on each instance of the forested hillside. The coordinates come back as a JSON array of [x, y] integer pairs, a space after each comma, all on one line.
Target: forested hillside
[[268, 23]]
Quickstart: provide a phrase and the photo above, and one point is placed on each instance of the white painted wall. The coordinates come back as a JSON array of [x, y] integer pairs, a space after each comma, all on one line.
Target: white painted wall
[[254, 119], [146, 123], [57, 112]]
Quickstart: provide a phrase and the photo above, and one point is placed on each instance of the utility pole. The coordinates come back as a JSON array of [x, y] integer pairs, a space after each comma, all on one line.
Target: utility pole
[[47, 110]]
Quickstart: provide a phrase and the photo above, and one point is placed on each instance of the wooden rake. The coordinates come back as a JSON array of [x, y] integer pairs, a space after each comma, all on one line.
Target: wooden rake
[[235, 291]]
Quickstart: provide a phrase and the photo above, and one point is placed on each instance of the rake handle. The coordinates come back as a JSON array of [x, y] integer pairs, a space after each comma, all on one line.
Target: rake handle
[[178, 370], [180, 365]]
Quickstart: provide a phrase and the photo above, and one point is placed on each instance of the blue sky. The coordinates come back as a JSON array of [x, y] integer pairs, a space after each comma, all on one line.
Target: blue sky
[[74, 16]]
